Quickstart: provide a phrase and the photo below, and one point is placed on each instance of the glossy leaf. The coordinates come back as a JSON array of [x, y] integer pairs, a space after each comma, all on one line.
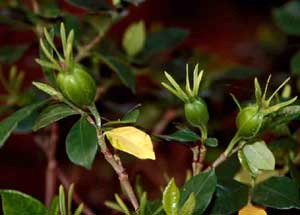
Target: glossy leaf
[[229, 198], [183, 135], [282, 116], [189, 206], [253, 170], [82, 143], [154, 208], [47, 89], [277, 192], [171, 196], [132, 116], [295, 64], [16, 203], [10, 54], [295, 173], [287, 17], [134, 38], [123, 70], [11, 122], [259, 156], [211, 142], [52, 114], [228, 169], [251, 210], [131, 140], [203, 186]]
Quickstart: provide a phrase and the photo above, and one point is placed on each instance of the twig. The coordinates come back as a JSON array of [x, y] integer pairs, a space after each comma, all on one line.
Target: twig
[[84, 50], [119, 169], [199, 153], [50, 180]]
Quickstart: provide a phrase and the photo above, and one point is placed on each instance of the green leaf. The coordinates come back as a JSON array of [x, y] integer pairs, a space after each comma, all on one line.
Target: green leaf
[[164, 39], [189, 206], [49, 73], [184, 135], [154, 208], [230, 197], [10, 54], [244, 162], [93, 5], [54, 207], [282, 116], [82, 143], [259, 156], [11, 122], [228, 169], [124, 72], [16, 203], [52, 114], [134, 38], [171, 198], [277, 192], [131, 116], [203, 186], [62, 201], [47, 89], [211, 141], [295, 173], [295, 64], [287, 17]]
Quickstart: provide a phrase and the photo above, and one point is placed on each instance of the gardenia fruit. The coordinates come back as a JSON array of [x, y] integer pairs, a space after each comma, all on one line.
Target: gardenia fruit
[[249, 121], [78, 86], [196, 112]]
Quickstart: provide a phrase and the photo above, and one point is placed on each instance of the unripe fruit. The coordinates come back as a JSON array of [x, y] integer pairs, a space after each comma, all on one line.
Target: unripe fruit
[[77, 86], [196, 112], [249, 121]]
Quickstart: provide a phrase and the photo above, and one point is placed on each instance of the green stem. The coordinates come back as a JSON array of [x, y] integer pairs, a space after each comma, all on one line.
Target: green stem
[[231, 145], [96, 114]]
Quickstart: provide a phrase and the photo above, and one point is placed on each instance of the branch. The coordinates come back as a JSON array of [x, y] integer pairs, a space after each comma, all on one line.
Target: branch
[[119, 169]]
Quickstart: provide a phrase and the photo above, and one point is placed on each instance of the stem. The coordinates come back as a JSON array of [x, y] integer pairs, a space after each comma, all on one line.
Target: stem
[[115, 162], [232, 143], [50, 180], [119, 169], [84, 50], [199, 152], [223, 157]]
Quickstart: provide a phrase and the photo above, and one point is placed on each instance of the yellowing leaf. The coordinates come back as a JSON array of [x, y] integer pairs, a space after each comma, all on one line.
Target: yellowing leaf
[[252, 210], [131, 140]]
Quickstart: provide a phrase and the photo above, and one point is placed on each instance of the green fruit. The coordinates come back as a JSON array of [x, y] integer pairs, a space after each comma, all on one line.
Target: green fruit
[[196, 113], [249, 121], [77, 86]]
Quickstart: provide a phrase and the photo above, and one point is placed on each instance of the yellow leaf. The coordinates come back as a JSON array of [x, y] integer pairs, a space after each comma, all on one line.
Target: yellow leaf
[[252, 210], [131, 140]]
